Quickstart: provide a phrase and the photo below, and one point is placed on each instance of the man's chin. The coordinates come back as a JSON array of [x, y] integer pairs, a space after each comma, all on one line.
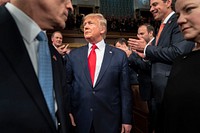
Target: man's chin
[[60, 25], [87, 37]]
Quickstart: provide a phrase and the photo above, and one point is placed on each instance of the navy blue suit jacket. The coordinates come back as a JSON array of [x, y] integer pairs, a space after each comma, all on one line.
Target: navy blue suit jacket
[[22, 105], [170, 45], [109, 103]]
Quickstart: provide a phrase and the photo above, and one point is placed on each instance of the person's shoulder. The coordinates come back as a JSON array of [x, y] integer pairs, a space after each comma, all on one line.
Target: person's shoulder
[[78, 51], [117, 51], [192, 55], [4, 15], [74, 50], [190, 59]]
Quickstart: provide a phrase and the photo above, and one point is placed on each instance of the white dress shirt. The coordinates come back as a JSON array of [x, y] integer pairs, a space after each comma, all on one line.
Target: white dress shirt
[[99, 54]]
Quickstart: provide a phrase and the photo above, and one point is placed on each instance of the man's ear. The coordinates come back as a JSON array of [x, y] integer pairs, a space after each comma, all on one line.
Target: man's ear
[[102, 29], [169, 3], [151, 33]]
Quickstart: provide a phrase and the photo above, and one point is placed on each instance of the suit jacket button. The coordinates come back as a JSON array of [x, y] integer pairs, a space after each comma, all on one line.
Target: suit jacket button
[[93, 92], [91, 109]]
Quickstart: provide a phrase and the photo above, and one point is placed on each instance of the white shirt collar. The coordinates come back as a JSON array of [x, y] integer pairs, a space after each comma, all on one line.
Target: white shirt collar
[[167, 18], [150, 41], [100, 45]]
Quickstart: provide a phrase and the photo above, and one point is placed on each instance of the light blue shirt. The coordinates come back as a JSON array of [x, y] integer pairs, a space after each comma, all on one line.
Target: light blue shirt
[[29, 30]]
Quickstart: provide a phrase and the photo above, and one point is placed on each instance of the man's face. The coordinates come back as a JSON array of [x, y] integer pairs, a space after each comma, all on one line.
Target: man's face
[[57, 39], [159, 9], [93, 30], [143, 33], [49, 14]]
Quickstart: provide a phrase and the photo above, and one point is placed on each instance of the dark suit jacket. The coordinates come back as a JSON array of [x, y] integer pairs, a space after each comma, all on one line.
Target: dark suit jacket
[[133, 76], [109, 103], [170, 45], [22, 105], [144, 75], [182, 96]]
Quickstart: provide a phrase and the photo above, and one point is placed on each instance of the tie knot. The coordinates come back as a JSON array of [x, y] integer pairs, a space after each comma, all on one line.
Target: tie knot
[[94, 46], [42, 36]]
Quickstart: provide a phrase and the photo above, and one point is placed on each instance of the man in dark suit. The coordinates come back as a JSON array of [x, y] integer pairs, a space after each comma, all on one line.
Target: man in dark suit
[[100, 103], [143, 68], [169, 44], [23, 103], [57, 42]]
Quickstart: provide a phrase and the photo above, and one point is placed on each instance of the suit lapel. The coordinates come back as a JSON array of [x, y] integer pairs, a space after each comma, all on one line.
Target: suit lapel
[[106, 62], [165, 29], [15, 51], [85, 63]]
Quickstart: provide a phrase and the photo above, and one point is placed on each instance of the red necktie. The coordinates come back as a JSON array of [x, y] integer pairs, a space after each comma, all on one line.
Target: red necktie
[[92, 62], [159, 32]]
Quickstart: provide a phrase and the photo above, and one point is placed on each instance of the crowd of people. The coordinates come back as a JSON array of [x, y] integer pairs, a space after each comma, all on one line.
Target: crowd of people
[[46, 87], [124, 24], [166, 47]]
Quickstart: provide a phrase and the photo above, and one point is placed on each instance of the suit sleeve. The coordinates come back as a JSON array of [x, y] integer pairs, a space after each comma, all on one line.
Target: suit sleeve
[[126, 93], [69, 73], [137, 63], [173, 45]]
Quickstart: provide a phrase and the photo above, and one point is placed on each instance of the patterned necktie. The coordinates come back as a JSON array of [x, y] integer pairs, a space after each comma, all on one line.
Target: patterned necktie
[[92, 62], [45, 72], [159, 32]]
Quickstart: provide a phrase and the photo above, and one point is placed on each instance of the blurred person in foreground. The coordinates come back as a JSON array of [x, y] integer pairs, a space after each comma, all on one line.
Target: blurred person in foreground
[[168, 45], [25, 107], [101, 98], [181, 98]]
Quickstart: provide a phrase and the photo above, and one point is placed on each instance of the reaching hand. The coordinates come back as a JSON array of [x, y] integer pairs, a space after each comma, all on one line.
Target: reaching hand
[[137, 44], [63, 49], [126, 128]]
